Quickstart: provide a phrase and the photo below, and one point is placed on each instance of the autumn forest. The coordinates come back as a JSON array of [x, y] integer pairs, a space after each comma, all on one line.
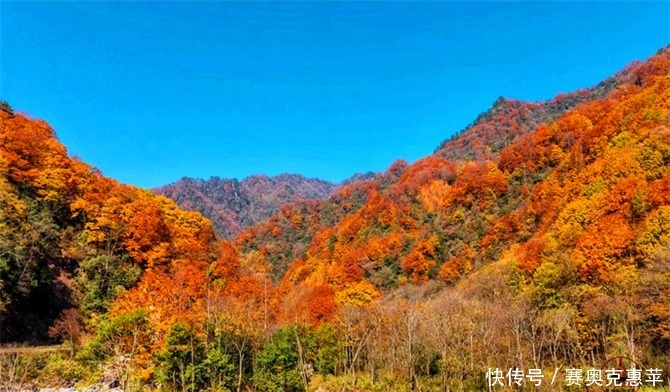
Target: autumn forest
[[536, 238]]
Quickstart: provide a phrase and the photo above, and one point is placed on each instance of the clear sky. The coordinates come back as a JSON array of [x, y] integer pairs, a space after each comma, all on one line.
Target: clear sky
[[151, 92]]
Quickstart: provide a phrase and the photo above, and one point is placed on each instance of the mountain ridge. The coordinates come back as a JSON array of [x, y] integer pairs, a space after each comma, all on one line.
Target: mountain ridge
[[233, 205], [477, 142]]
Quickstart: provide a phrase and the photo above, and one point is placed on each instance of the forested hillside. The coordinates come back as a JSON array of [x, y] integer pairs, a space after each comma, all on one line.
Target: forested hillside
[[539, 238], [233, 206], [74, 239]]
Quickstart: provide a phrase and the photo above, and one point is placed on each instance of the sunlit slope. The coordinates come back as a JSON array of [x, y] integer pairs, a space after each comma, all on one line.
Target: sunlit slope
[[578, 205]]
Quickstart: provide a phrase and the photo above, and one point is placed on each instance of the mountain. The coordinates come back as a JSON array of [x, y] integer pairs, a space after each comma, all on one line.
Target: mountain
[[539, 238], [547, 219], [234, 205], [489, 134], [508, 119], [71, 238]]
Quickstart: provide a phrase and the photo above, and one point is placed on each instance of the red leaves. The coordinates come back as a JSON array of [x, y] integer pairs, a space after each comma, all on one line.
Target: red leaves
[[320, 302], [530, 256], [421, 173]]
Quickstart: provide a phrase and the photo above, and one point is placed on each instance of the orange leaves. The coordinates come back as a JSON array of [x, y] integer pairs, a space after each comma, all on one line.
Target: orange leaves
[[380, 211], [307, 297], [26, 145], [419, 261], [628, 198], [151, 229], [519, 156], [621, 165], [449, 273], [601, 246], [458, 266], [33, 156], [309, 304], [227, 265], [191, 235], [504, 229], [296, 219], [435, 196], [479, 181], [660, 190], [572, 126], [146, 234], [377, 248], [576, 193], [320, 303], [350, 226], [546, 199], [347, 269], [169, 297], [104, 221]]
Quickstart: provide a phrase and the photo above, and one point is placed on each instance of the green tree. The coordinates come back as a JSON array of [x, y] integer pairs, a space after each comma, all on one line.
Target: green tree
[[278, 363], [102, 277], [181, 361]]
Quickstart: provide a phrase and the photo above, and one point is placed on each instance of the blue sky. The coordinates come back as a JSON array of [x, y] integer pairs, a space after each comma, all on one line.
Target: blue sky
[[151, 92]]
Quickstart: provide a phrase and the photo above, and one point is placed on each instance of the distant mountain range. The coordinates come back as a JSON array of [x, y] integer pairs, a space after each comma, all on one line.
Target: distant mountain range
[[234, 205]]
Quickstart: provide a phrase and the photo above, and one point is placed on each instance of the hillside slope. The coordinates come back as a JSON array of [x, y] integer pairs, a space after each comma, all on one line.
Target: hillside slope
[[571, 212], [72, 238]]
